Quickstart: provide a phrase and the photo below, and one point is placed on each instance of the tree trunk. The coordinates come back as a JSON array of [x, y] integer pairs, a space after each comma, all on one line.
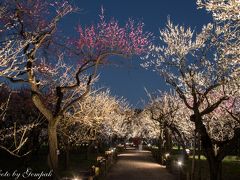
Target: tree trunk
[[238, 148], [215, 167], [160, 147], [53, 147], [67, 149], [213, 162], [89, 149], [193, 158], [168, 146], [199, 165]]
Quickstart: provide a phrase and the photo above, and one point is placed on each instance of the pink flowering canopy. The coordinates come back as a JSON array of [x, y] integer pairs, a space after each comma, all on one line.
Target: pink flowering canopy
[[109, 38]]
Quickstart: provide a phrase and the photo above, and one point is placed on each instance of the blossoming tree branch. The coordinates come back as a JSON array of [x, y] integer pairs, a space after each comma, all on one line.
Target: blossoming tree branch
[[39, 56]]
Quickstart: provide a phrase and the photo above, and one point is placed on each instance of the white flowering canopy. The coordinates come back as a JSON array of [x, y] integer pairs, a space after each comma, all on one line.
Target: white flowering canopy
[[204, 68]]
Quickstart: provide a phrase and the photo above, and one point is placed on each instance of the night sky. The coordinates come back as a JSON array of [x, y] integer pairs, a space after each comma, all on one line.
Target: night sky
[[127, 78]]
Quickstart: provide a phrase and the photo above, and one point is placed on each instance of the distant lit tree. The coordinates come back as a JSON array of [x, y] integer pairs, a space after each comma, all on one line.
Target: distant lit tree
[[173, 120], [97, 118]]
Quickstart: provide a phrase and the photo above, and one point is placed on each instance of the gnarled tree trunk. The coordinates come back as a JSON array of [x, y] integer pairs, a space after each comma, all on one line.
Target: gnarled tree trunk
[[215, 167], [193, 157], [53, 147], [67, 152], [214, 163]]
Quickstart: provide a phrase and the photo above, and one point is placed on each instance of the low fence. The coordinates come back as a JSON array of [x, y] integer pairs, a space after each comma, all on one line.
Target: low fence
[[174, 164], [102, 166]]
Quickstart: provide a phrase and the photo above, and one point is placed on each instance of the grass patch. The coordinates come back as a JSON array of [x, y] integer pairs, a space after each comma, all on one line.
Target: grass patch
[[78, 163], [230, 168], [230, 165]]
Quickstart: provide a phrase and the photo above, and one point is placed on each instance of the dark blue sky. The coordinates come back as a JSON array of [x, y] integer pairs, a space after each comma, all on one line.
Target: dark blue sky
[[129, 79]]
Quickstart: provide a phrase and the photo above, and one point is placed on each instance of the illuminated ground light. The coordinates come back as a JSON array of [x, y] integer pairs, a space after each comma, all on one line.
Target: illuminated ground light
[[77, 178], [179, 163], [167, 155]]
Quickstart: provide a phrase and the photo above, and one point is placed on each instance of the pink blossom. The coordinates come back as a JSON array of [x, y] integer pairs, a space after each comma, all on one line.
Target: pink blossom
[[110, 37]]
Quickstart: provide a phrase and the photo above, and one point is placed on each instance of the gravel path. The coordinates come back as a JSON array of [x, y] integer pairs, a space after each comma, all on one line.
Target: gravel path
[[138, 165]]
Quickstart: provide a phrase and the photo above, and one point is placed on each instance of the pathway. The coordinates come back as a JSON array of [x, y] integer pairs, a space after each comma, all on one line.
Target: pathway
[[138, 165]]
